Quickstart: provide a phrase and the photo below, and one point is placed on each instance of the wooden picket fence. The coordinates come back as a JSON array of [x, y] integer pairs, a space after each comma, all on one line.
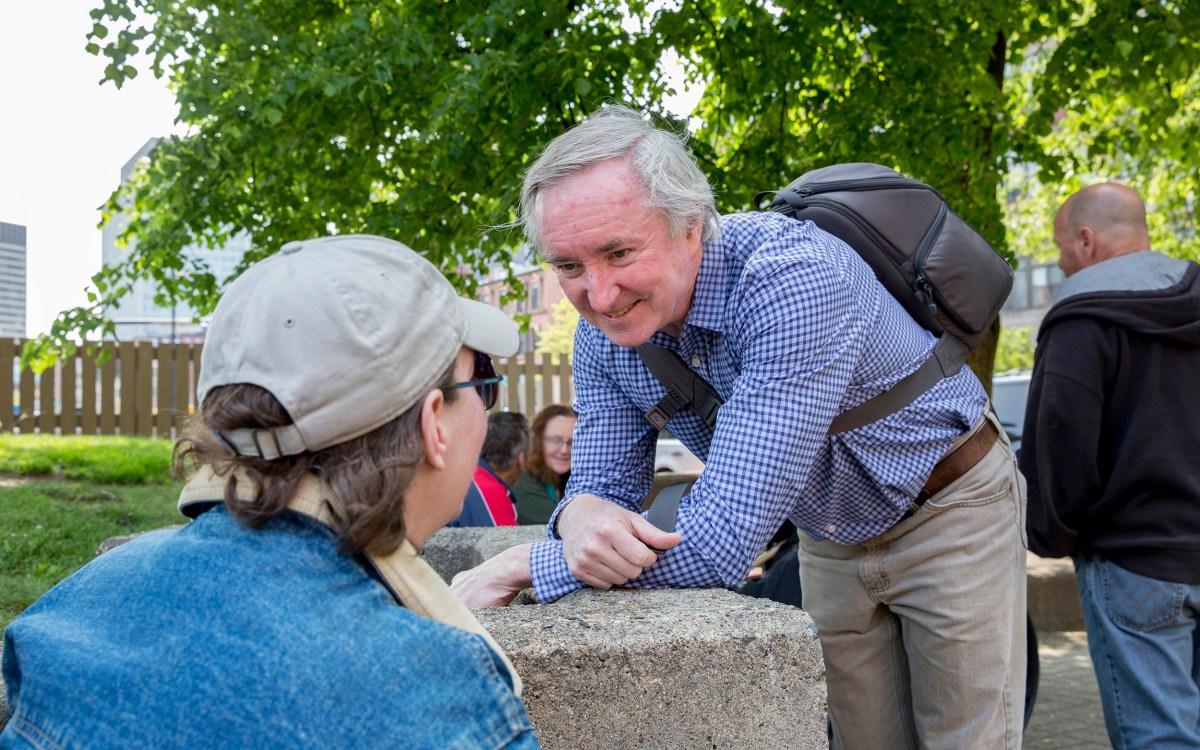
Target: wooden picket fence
[[146, 388]]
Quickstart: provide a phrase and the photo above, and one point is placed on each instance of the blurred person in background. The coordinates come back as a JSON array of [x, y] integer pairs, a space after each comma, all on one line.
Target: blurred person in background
[[489, 500], [1112, 433], [541, 484]]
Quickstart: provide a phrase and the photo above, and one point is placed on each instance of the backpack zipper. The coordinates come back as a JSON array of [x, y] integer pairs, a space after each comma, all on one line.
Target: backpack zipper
[[934, 302], [922, 287], [896, 256], [874, 183]]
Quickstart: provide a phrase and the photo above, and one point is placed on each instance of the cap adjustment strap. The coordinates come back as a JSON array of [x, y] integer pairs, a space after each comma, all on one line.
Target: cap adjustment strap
[[267, 444]]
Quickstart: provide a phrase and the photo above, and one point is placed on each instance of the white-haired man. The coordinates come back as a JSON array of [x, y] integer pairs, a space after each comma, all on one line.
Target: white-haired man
[[912, 563]]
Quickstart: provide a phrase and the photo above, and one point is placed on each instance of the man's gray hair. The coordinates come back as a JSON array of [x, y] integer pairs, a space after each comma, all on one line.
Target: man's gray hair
[[674, 185]]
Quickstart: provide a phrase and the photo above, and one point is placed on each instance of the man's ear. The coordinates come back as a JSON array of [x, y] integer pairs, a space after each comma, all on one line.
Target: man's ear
[[521, 461], [433, 437], [1088, 239]]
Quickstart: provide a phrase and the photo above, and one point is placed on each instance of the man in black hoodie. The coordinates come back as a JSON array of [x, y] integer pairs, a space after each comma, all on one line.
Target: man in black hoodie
[[1111, 451]]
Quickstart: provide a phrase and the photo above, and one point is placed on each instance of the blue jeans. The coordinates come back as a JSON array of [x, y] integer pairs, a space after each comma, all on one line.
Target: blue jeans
[[1145, 644]]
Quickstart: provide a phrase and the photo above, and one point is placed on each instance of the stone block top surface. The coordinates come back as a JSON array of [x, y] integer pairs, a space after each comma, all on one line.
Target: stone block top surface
[[627, 618]]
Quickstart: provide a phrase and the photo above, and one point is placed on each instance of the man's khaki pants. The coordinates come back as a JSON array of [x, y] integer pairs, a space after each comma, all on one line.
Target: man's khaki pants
[[923, 626]]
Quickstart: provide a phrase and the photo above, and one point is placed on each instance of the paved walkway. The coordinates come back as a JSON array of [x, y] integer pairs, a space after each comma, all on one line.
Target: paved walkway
[[1067, 714]]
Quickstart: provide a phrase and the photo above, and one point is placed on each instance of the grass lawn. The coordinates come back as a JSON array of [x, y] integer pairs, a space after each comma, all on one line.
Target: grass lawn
[[61, 496]]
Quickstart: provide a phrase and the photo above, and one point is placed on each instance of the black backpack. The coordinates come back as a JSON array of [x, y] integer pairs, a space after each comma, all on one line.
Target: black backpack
[[945, 275]]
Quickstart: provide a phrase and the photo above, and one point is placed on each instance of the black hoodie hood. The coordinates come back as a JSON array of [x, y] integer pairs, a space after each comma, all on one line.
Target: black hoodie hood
[[1170, 313]]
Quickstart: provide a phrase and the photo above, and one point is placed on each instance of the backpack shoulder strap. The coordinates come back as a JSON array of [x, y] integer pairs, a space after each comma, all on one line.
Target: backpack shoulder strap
[[947, 358], [665, 506], [684, 387]]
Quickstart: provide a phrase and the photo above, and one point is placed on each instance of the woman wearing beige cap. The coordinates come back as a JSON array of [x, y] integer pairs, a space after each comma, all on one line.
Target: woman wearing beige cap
[[344, 388]]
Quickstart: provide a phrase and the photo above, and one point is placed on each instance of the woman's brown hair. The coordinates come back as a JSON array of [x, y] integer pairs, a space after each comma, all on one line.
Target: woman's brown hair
[[369, 474], [536, 465]]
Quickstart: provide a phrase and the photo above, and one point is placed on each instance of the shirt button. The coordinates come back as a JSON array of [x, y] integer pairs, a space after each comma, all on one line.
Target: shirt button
[[831, 528], [695, 361]]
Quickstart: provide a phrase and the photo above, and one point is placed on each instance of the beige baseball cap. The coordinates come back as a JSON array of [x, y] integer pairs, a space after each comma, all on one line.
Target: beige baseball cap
[[347, 333]]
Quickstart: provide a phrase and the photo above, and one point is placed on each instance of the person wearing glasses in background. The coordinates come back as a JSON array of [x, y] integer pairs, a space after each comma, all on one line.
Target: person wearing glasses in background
[[344, 388], [541, 484]]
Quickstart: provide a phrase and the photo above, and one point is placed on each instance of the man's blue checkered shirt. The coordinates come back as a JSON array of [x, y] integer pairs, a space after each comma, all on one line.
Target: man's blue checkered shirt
[[791, 327]]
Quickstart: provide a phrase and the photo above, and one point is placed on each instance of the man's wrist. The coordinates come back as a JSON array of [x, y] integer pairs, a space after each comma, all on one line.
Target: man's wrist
[[517, 568], [552, 525]]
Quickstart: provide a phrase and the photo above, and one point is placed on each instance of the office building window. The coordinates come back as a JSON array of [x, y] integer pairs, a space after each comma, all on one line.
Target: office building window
[[1018, 298], [1045, 281], [1033, 285]]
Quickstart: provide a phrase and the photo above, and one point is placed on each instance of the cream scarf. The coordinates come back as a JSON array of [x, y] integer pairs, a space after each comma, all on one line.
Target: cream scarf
[[409, 578]]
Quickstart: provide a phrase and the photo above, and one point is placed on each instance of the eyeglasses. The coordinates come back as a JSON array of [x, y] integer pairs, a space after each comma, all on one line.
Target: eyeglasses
[[485, 380], [557, 442]]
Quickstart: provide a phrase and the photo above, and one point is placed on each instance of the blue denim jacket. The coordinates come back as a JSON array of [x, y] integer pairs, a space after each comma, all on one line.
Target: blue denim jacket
[[216, 635]]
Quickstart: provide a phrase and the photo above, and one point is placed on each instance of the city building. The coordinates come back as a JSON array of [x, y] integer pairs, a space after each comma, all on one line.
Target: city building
[[137, 315], [13, 280], [542, 291], [1034, 286]]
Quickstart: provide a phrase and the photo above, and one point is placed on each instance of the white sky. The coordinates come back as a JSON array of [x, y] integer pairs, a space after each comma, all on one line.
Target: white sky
[[63, 140]]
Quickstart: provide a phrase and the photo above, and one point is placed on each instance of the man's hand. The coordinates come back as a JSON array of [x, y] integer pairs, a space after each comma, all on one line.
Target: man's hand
[[606, 545], [496, 581]]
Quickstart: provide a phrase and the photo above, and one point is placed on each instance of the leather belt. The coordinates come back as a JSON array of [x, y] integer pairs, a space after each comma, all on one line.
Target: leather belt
[[957, 462]]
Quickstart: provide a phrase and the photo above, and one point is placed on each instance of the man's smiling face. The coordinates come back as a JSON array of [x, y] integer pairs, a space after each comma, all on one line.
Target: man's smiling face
[[615, 258]]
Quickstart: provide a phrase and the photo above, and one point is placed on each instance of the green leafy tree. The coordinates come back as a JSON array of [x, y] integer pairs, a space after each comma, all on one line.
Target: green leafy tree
[[559, 336], [1014, 351], [955, 94], [1077, 131], [410, 120], [414, 120]]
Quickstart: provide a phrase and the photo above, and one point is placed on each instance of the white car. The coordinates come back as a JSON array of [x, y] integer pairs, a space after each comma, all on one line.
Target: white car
[[1009, 393], [672, 456]]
